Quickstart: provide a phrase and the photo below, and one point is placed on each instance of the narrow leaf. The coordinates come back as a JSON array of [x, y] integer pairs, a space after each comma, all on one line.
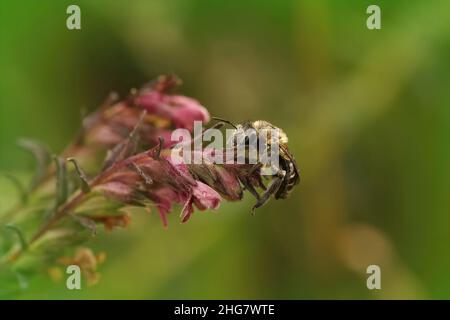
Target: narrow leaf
[[84, 182], [42, 155], [20, 235], [61, 181]]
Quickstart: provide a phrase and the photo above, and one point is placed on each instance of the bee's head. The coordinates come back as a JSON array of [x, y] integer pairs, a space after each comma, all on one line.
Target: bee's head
[[243, 131], [260, 125]]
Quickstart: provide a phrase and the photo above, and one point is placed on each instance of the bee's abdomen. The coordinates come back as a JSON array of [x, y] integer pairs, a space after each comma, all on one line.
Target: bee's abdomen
[[290, 180], [287, 186]]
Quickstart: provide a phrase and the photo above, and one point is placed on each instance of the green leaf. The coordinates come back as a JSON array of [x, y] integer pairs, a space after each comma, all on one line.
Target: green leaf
[[42, 155], [61, 181], [84, 182], [20, 235], [23, 192]]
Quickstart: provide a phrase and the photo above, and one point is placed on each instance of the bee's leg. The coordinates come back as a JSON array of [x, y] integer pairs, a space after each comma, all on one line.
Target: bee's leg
[[218, 125], [289, 168], [261, 183], [224, 121], [250, 187], [254, 168], [199, 137], [258, 177], [272, 189]]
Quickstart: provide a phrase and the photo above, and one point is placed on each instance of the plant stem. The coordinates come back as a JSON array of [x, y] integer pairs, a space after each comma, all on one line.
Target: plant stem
[[61, 213], [70, 151], [66, 208]]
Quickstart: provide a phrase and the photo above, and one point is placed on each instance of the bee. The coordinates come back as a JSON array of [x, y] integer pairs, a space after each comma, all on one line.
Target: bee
[[285, 176]]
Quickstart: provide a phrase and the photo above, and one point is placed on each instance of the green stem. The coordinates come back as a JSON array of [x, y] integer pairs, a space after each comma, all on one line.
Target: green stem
[[66, 208]]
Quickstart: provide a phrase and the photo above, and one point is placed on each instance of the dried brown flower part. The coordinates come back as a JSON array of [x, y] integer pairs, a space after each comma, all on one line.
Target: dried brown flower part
[[111, 222], [87, 261], [55, 273]]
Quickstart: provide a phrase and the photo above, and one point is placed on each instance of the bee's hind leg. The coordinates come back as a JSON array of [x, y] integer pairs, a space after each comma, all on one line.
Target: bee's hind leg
[[272, 189]]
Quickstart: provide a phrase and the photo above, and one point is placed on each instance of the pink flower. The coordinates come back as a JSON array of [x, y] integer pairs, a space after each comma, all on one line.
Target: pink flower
[[155, 175], [164, 197], [185, 111], [112, 123], [159, 179], [203, 197], [224, 181], [180, 110]]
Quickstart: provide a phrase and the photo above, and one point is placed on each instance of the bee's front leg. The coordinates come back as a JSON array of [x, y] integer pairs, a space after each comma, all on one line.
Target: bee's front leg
[[247, 184], [272, 189]]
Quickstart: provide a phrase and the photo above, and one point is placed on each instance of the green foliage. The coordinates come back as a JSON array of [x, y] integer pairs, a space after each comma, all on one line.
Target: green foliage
[[42, 156], [81, 175], [61, 181], [20, 235]]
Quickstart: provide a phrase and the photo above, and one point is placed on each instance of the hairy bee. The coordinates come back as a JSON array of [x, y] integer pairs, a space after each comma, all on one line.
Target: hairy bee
[[285, 176]]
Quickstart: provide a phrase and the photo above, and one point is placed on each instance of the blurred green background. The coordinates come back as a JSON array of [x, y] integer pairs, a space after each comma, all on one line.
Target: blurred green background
[[367, 114]]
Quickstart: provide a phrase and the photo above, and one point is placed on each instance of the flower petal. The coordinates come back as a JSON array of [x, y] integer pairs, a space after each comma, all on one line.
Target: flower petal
[[205, 197]]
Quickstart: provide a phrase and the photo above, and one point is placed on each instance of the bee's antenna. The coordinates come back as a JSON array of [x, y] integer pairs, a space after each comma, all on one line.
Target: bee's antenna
[[226, 121]]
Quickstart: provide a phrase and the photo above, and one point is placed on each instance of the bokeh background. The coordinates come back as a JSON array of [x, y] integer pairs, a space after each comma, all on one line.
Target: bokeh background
[[367, 114]]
